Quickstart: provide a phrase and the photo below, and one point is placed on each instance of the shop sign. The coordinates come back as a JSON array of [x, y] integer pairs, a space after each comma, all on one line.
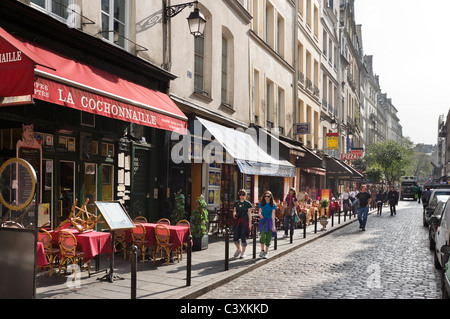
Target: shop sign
[[61, 94], [303, 128], [350, 157], [333, 141]]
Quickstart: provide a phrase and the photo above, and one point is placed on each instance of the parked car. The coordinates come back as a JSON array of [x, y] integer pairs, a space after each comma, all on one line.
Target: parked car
[[442, 238], [436, 196], [434, 221], [446, 275]]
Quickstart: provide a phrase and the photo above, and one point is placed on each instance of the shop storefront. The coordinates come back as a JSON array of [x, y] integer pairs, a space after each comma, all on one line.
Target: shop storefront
[[243, 164], [90, 134]]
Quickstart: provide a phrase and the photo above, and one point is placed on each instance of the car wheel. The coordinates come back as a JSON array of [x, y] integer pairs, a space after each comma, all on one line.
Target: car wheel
[[425, 224], [444, 289], [437, 265]]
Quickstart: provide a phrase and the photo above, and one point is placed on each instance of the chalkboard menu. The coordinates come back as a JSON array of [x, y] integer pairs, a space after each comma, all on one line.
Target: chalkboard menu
[[32, 156], [115, 215]]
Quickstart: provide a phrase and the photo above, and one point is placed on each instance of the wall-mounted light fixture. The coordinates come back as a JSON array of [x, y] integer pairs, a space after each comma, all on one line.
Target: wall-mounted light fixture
[[196, 20]]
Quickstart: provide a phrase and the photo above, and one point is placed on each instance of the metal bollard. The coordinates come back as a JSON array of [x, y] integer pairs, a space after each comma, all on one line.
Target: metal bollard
[[189, 262], [134, 251], [227, 249], [315, 222], [339, 218], [304, 228], [291, 231], [332, 218], [254, 239]]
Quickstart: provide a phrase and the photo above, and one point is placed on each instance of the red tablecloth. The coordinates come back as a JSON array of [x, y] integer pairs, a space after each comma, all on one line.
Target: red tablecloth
[[178, 234], [92, 243], [41, 259]]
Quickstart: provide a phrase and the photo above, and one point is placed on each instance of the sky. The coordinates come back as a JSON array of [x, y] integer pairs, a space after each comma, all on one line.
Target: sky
[[410, 44]]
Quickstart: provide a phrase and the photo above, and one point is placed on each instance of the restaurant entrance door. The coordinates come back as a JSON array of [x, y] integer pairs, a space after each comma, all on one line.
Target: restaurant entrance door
[[66, 189]]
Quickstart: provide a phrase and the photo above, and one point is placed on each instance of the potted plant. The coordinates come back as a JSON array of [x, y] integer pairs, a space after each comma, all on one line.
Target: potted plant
[[178, 212], [199, 230], [324, 204]]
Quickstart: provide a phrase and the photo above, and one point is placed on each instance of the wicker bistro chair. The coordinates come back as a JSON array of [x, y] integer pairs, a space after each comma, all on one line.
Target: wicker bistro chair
[[69, 253], [51, 253], [163, 221], [162, 235], [140, 219], [187, 224], [120, 239], [138, 234]]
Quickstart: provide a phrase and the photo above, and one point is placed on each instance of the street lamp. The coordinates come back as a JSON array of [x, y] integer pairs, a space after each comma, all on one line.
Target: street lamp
[[196, 20]]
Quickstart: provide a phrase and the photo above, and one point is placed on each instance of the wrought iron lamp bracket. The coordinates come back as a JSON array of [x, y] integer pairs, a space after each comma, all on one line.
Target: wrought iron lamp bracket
[[171, 11]]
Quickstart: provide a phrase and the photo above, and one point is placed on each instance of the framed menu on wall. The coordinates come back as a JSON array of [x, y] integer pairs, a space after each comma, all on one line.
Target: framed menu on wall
[[115, 215]]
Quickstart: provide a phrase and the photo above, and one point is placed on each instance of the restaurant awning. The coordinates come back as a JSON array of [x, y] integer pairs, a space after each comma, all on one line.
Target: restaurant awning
[[356, 175], [248, 155], [34, 72], [336, 169]]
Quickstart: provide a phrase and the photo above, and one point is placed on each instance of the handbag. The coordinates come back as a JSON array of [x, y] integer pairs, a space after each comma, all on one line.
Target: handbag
[[287, 212]]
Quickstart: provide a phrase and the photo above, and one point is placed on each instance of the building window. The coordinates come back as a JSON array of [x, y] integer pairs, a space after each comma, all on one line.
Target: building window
[[57, 8], [114, 21], [225, 71], [256, 95], [281, 110], [280, 35], [269, 104], [269, 37], [199, 64]]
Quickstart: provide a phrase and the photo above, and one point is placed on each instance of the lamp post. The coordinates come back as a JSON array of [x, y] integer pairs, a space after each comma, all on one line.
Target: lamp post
[[196, 20]]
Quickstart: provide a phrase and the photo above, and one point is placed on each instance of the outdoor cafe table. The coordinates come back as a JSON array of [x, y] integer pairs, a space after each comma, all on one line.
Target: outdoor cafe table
[[178, 234], [41, 259], [92, 243]]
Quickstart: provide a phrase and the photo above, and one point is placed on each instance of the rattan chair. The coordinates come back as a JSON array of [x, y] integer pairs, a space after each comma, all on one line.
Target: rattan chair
[[138, 234], [163, 221], [140, 219], [120, 238], [162, 235], [187, 224], [51, 253], [69, 253]]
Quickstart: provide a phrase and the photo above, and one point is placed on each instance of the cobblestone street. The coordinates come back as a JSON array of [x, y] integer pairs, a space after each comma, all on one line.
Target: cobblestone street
[[390, 260]]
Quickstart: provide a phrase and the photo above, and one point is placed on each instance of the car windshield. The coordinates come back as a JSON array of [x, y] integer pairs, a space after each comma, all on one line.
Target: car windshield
[[442, 196]]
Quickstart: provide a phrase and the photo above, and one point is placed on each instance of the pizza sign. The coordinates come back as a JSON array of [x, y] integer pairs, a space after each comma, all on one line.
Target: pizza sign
[[350, 157]]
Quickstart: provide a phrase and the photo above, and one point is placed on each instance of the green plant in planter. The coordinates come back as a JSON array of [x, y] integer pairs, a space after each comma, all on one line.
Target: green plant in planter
[[199, 219], [325, 203], [178, 212]]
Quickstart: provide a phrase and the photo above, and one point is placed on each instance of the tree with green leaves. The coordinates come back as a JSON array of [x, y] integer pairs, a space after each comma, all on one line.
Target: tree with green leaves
[[391, 157]]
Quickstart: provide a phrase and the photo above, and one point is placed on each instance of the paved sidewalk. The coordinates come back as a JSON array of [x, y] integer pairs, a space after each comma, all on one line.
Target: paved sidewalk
[[162, 281]]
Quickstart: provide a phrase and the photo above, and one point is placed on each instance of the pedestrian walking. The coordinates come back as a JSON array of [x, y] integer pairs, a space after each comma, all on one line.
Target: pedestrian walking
[[419, 194], [379, 201], [267, 226], [364, 200], [242, 214], [393, 200], [290, 211], [345, 200]]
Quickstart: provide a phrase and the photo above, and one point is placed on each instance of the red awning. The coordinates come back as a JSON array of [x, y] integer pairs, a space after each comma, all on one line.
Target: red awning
[[29, 69]]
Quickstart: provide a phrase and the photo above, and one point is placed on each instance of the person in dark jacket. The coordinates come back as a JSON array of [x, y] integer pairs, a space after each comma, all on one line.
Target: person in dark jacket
[[379, 201], [393, 200]]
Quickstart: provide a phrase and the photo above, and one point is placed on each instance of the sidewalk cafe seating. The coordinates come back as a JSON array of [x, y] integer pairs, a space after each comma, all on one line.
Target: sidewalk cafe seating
[[162, 235], [140, 219], [163, 221], [120, 238], [51, 253], [138, 235], [69, 253], [186, 224]]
